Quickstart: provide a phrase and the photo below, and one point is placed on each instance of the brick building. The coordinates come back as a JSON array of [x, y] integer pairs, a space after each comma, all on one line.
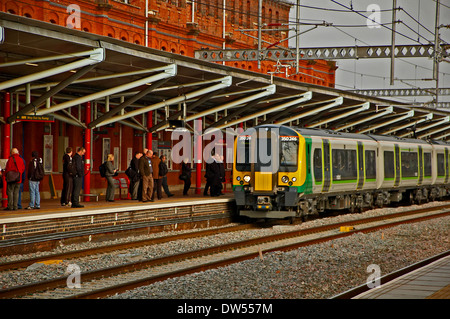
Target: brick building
[[171, 25]]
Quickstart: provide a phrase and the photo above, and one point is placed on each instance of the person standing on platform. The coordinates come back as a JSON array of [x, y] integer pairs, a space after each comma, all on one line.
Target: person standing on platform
[[141, 182], [186, 175], [136, 180], [222, 172], [163, 170], [78, 178], [215, 176], [109, 174], [146, 169], [208, 176], [157, 182], [69, 172], [14, 164], [19, 202], [35, 175]]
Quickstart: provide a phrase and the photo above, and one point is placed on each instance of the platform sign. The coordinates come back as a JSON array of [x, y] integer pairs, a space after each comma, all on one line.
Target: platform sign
[[36, 118], [3, 163]]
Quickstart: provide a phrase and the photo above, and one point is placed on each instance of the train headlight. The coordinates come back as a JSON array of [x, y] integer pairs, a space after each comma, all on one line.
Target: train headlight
[[238, 178], [285, 179], [246, 178], [294, 179]]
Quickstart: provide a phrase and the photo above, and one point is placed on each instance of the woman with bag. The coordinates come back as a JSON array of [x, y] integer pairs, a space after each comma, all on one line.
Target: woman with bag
[[109, 174], [13, 174]]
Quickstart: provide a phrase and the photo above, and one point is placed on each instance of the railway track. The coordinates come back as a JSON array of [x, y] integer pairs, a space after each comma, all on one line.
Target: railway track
[[108, 281]]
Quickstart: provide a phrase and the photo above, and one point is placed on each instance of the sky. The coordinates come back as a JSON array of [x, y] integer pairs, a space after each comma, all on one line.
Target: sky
[[350, 28]]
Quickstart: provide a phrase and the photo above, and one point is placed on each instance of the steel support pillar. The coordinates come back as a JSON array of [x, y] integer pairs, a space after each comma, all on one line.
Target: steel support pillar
[[6, 141], [87, 155]]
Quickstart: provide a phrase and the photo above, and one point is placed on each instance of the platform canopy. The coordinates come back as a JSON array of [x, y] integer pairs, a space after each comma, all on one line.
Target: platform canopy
[[55, 69]]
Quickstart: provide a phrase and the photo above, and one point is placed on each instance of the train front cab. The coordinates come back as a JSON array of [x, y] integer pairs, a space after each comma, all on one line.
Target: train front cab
[[269, 194]]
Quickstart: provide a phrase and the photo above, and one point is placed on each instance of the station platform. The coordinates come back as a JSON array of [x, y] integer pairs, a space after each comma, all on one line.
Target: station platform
[[53, 221], [429, 282]]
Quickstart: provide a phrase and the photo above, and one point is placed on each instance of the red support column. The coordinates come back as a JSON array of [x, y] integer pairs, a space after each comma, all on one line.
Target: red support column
[[87, 156], [149, 125], [198, 157], [6, 142]]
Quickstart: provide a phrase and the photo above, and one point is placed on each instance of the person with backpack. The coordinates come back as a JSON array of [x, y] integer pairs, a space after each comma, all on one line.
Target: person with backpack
[[68, 173], [35, 175], [13, 174], [134, 176]]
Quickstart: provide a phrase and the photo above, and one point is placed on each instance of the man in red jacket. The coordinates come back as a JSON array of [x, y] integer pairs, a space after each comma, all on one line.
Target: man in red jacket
[[14, 164]]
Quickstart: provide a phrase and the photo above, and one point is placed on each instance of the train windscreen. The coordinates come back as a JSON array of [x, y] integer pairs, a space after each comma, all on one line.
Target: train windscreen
[[288, 153], [287, 148]]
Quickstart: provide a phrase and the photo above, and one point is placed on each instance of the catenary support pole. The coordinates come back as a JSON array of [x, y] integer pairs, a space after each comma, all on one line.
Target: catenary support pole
[[6, 142], [198, 157], [87, 156]]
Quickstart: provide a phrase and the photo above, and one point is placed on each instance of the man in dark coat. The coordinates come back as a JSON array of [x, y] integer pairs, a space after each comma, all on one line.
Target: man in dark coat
[[68, 174], [157, 182], [215, 176], [134, 184], [163, 170], [78, 178]]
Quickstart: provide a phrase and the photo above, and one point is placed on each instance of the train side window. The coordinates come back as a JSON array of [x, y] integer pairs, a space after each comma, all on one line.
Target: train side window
[[389, 164], [440, 165], [427, 164], [409, 164], [317, 162], [370, 165], [344, 164]]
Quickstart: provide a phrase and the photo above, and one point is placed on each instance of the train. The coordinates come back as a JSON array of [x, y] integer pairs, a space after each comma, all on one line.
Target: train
[[288, 172]]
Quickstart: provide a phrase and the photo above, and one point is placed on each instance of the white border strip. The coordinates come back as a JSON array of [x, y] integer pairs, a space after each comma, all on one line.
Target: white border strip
[[116, 209]]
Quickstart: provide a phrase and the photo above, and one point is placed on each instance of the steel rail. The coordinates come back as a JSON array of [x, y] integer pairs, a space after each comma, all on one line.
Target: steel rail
[[121, 246], [120, 288], [133, 266]]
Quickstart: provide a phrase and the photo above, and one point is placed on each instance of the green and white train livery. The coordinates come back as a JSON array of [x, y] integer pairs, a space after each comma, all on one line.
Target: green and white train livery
[[281, 171]]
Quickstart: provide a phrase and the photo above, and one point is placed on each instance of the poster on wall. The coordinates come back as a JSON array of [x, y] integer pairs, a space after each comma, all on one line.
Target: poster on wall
[[48, 153], [117, 158], [129, 155], [106, 148]]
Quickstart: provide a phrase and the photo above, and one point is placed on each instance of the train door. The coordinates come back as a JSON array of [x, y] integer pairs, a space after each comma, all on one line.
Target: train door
[[265, 161], [420, 166], [447, 166], [397, 165], [360, 166], [326, 165]]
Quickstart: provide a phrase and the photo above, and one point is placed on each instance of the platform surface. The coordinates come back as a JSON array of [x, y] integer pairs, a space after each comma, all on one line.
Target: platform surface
[[51, 208], [429, 282]]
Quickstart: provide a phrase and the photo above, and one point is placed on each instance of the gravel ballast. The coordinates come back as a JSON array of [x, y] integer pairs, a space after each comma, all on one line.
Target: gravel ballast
[[319, 271]]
